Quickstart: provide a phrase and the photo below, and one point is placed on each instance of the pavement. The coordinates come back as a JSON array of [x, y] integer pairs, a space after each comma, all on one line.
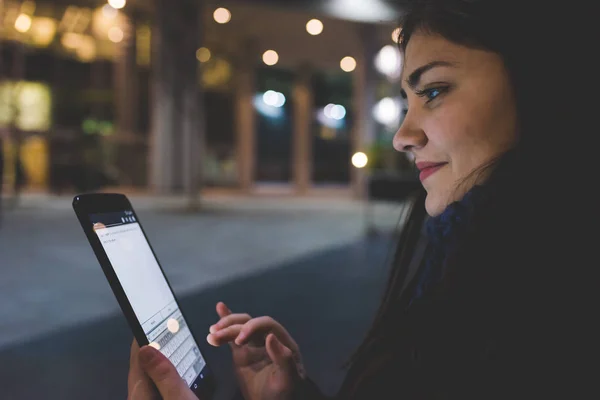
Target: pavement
[[304, 261]]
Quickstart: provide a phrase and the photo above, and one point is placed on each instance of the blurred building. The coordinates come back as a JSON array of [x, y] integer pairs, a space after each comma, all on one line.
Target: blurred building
[[166, 95]]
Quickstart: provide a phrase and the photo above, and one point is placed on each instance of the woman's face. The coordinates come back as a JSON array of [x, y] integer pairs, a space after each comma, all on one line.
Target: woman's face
[[461, 115]]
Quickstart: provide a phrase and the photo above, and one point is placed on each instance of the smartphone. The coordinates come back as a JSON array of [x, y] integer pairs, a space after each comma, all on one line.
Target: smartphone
[[146, 298]]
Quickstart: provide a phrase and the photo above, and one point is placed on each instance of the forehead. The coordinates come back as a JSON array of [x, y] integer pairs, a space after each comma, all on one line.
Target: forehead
[[424, 48], [426, 44]]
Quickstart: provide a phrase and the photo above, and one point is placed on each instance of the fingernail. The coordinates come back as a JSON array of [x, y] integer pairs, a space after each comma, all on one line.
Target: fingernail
[[147, 355], [240, 338], [213, 328]]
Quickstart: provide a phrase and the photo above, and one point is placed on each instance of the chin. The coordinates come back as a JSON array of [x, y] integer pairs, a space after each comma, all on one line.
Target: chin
[[433, 205]]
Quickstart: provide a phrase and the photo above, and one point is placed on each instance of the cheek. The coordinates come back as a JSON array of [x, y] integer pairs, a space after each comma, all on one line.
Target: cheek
[[465, 134], [492, 126], [449, 133]]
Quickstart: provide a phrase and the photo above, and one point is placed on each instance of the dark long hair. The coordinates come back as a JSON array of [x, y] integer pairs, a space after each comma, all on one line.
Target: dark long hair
[[523, 182]]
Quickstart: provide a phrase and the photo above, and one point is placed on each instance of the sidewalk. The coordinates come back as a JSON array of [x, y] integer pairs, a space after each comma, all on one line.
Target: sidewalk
[[51, 279], [326, 301]]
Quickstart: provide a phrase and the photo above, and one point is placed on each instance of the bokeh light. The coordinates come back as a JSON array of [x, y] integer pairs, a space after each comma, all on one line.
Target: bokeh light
[[222, 15], [115, 34], [314, 27], [173, 325], [203, 54], [348, 64], [117, 4], [387, 111], [270, 57], [109, 12], [389, 61], [23, 23], [360, 160]]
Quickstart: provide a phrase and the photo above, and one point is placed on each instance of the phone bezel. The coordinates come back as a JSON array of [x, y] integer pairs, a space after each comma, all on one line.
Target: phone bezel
[[85, 205]]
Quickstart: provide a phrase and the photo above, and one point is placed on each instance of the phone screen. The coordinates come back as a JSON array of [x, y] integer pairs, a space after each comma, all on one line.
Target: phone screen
[[148, 291]]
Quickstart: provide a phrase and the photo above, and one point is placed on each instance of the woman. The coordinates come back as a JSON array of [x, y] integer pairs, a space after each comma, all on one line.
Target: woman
[[483, 313]]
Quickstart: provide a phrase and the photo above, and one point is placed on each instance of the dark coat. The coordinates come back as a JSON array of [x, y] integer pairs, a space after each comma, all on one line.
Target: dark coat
[[492, 330]]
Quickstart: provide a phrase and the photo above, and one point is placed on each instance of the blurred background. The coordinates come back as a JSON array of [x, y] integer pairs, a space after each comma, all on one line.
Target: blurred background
[[254, 139]]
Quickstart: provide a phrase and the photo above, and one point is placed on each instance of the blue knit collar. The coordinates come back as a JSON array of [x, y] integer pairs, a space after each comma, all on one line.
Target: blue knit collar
[[444, 228], [443, 233]]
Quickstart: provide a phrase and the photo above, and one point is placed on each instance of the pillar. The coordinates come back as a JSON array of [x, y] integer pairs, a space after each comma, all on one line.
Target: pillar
[[302, 134], [245, 116], [125, 155], [177, 137], [364, 98], [126, 82]]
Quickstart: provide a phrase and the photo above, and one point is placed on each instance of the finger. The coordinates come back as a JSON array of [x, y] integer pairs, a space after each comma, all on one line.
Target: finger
[[231, 319], [138, 383], [164, 375], [226, 335], [259, 327], [133, 352], [135, 371], [144, 390], [222, 310], [135, 349], [281, 356]]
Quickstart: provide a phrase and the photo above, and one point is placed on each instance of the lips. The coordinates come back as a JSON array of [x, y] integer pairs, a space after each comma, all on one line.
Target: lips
[[428, 168]]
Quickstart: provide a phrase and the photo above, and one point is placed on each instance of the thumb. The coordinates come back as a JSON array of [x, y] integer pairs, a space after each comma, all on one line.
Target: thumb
[[164, 375], [281, 356]]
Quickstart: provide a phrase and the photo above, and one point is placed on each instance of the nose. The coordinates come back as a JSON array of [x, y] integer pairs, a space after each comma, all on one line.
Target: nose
[[410, 135]]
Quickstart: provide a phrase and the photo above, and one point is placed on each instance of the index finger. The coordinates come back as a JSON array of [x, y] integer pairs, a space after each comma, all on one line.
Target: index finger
[[222, 309], [229, 320], [262, 326]]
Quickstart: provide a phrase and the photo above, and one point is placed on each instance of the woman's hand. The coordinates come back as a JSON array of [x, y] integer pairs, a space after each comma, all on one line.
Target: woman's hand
[[151, 373], [266, 359]]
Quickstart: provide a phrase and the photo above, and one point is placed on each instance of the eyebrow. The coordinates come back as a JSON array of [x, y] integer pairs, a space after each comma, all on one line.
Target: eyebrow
[[415, 76]]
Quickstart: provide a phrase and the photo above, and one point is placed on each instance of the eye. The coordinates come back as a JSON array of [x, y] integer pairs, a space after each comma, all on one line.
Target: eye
[[404, 106], [431, 93]]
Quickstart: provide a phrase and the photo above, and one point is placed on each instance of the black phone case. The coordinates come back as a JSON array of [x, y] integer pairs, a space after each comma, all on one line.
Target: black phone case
[[85, 205]]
